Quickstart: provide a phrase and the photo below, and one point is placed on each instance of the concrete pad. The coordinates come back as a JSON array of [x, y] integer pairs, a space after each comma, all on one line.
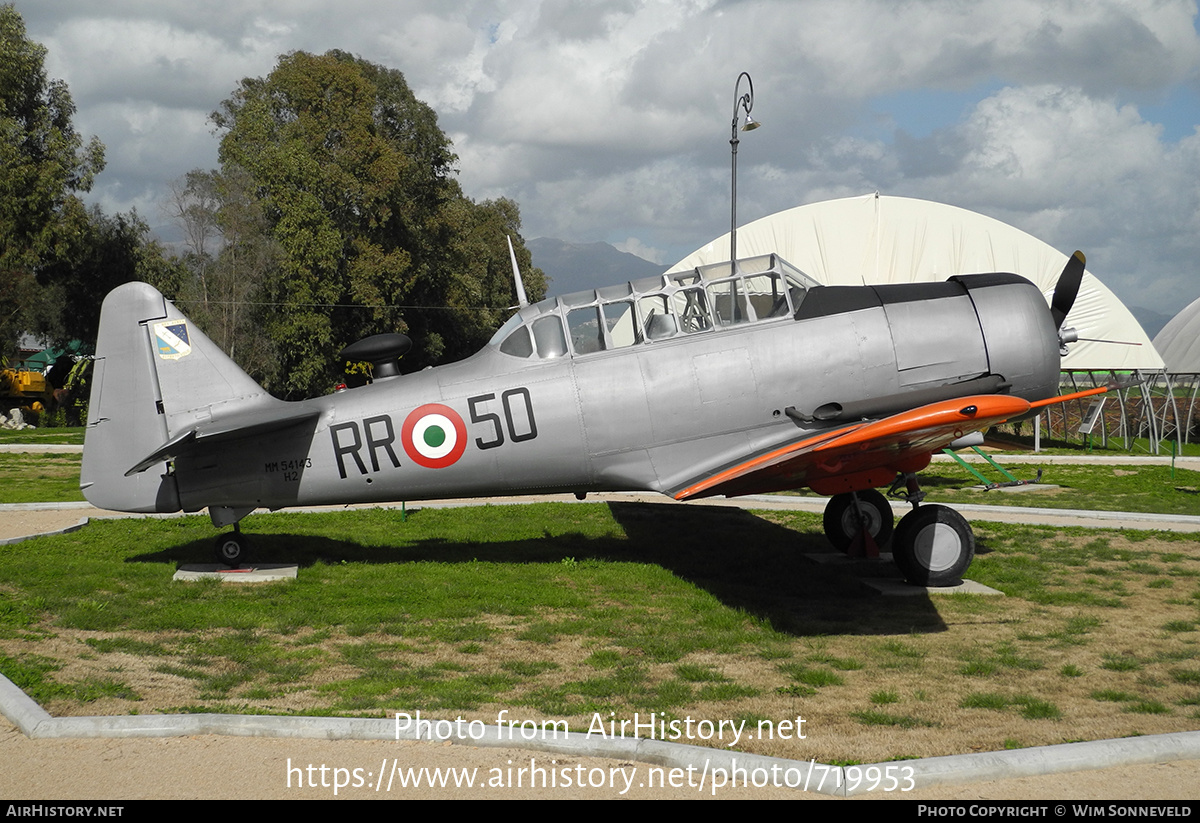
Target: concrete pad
[[891, 587], [895, 586], [261, 573], [839, 559]]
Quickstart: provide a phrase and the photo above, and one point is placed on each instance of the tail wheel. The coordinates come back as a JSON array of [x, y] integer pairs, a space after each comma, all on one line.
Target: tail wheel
[[231, 549], [933, 546], [842, 523]]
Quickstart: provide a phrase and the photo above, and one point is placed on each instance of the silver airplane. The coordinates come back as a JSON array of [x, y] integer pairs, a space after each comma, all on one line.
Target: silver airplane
[[725, 380]]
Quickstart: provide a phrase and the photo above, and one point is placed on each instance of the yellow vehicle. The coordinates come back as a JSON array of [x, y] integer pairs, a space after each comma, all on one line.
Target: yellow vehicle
[[25, 389]]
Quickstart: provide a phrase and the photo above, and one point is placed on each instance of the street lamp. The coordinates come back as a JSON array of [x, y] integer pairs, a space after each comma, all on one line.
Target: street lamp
[[745, 103]]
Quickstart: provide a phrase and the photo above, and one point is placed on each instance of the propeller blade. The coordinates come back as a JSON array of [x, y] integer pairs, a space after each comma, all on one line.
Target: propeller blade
[[1067, 288], [1114, 342]]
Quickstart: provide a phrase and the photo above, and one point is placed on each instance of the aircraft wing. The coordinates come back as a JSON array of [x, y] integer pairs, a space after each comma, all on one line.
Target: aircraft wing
[[868, 454]]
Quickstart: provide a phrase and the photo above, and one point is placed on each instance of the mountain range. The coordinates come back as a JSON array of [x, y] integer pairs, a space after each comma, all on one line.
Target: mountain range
[[578, 266]]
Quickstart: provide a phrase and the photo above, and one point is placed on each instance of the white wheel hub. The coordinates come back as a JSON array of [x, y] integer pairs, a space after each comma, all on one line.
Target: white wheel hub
[[937, 547]]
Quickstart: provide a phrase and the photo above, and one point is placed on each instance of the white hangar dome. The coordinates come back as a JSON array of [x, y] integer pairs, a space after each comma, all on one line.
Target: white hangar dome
[[1179, 341], [874, 240]]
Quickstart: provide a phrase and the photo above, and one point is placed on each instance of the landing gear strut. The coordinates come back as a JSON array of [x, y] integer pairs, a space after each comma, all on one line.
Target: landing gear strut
[[932, 545]]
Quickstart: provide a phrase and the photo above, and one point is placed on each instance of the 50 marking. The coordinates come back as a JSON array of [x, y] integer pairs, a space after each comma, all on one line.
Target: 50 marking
[[518, 418]]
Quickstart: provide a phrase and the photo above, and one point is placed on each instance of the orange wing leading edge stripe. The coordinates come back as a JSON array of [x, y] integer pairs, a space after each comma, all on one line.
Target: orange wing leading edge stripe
[[941, 423]]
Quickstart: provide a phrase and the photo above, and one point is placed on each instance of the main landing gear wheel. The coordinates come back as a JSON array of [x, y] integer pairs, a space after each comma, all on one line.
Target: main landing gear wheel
[[231, 549], [841, 522], [933, 546]]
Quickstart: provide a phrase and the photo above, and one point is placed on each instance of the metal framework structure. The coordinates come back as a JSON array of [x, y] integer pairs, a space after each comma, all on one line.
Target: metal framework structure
[[1148, 405]]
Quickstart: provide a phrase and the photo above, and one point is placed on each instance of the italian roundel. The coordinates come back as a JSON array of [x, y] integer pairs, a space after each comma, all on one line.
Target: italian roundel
[[434, 436]]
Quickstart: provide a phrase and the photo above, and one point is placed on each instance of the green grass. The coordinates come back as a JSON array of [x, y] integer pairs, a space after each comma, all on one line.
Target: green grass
[[874, 717], [1136, 488], [36, 478], [810, 676], [1077, 445], [1093, 488], [33, 674], [1029, 707], [1120, 663], [701, 611], [461, 579], [64, 436]]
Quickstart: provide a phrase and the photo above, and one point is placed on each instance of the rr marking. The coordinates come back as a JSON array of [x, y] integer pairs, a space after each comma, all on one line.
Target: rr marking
[[376, 440], [385, 442], [352, 449], [514, 416]]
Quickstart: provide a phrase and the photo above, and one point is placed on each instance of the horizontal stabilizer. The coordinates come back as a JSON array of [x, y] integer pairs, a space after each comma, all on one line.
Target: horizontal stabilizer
[[246, 424]]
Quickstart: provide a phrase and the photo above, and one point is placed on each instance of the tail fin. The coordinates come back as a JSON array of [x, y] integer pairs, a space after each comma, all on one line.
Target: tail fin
[[158, 381]]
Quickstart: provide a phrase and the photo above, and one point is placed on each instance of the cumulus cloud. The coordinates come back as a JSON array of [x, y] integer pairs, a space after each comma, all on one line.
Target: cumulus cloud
[[632, 245], [609, 119]]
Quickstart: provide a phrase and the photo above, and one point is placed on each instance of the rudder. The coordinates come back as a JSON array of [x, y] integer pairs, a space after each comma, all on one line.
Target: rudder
[[156, 376]]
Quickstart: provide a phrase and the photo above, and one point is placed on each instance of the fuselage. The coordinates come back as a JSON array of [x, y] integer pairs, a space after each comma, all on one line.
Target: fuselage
[[643, 386]]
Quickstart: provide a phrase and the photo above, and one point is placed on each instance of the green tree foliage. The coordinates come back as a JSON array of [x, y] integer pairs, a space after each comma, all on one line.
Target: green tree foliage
[[101, 253], [43, 163], [57, 258], [355, 181], [229, 255]]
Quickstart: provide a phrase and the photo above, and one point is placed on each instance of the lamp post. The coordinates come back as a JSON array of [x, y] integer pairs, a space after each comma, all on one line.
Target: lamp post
[[745, 102]]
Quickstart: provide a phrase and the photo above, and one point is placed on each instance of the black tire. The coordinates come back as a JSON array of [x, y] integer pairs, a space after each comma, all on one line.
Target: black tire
[[840, 525], [231, 549], [933, 546]]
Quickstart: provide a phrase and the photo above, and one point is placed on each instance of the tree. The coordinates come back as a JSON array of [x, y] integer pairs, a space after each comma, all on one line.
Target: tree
[[229, 255], [43, 164], [355, 182], [101, 253]]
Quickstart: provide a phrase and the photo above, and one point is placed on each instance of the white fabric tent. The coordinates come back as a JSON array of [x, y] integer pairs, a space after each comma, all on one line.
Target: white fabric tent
[[1179, 345], [1179, 340], [875, 239]]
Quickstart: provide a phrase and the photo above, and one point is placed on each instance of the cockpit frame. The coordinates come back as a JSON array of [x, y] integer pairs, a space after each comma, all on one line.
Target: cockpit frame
[[651, 310]]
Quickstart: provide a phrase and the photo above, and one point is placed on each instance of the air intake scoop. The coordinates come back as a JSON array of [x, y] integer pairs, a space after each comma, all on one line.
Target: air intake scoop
[[381, 351]]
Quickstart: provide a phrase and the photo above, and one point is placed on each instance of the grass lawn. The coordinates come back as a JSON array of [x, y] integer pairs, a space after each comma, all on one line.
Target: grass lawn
[[560, 611], [72, 436], [39, 478], [1094, 488]]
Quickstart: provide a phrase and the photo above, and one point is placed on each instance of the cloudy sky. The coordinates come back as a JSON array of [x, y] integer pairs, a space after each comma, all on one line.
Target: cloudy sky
[[609, 119]]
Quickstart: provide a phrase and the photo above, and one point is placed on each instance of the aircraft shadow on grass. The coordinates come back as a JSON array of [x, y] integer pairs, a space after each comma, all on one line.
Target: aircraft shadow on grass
[[744, 560]]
